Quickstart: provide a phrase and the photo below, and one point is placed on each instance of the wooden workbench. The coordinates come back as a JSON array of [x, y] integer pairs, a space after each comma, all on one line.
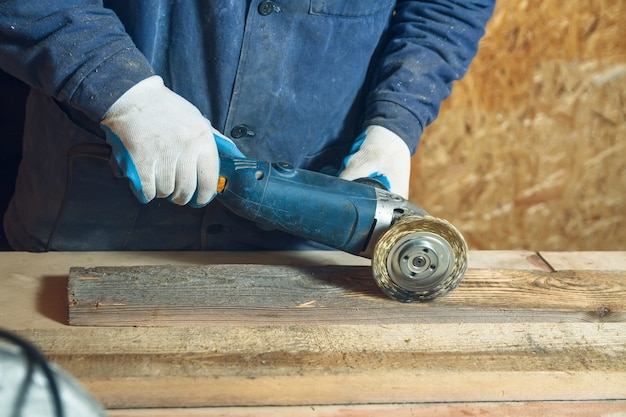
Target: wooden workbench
[[524, 334]]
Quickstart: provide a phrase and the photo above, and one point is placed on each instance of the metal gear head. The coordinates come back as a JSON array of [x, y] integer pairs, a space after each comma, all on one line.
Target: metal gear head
[[419, 258]]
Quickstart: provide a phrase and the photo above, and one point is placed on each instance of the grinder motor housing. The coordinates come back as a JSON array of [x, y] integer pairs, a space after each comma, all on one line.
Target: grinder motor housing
[[345, 215]]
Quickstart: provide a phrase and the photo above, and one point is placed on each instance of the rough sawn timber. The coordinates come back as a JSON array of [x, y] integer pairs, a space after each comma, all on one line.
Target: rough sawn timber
[[272, 294], [517, 331]]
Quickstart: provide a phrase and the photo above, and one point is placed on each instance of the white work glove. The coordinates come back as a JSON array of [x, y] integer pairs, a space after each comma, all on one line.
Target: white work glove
[[164, 146], [380, 154]]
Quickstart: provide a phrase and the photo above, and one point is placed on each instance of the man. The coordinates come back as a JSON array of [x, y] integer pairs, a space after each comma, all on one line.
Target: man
[[343, 87]]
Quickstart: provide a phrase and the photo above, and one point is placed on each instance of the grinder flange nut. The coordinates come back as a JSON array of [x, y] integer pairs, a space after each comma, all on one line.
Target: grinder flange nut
[[419, 258]]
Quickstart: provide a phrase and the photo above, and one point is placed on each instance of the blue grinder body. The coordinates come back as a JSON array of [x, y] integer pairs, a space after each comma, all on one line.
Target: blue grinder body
[[323, 208]]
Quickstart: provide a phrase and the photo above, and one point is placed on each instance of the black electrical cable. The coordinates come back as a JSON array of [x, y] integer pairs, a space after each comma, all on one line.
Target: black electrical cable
[[34, 358], [21, 395]]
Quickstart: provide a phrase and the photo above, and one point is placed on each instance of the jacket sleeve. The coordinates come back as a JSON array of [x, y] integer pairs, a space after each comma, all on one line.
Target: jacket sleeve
[[76, 51], [430, 45]]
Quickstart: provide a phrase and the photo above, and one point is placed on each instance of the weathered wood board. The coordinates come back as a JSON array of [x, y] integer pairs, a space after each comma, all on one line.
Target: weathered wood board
[[516, 331], [272, 294], [525, 333]]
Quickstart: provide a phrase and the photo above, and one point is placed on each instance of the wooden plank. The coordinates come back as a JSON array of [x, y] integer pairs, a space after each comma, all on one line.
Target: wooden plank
[[26, 277], [546, 352], [519, 409], [327, 390], [270, 294], [300, 364], [585, 261], [507, 259]]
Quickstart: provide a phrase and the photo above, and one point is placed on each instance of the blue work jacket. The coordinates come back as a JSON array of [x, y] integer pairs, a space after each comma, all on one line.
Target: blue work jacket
[[291, 80]]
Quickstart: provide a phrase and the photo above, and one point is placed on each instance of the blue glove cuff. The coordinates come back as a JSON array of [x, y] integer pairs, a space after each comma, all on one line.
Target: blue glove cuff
[[125, 163], [227, 147]]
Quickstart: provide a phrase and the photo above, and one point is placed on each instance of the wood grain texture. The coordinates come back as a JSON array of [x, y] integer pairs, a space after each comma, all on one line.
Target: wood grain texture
[[519, 409], [271, 294], [515, 331], [586, 261], [296, 364]]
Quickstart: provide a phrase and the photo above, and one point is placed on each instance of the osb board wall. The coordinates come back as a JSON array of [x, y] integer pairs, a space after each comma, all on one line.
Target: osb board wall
[[529, 152]]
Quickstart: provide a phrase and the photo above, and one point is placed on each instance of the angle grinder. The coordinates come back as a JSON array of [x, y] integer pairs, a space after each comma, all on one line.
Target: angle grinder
[[415, 256]]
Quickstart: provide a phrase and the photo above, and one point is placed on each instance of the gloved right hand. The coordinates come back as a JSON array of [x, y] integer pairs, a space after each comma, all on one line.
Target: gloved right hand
[[380, 154], [163, 145]]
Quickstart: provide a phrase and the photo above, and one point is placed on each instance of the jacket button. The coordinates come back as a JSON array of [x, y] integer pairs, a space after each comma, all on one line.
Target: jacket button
[[266, 7], [239, 131]]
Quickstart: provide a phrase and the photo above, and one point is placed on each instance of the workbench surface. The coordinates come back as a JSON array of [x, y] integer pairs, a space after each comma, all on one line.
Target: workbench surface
[[525, 334]]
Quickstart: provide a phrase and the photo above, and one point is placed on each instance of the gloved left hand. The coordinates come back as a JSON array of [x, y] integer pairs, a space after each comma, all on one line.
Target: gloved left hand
[[380, 154]]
